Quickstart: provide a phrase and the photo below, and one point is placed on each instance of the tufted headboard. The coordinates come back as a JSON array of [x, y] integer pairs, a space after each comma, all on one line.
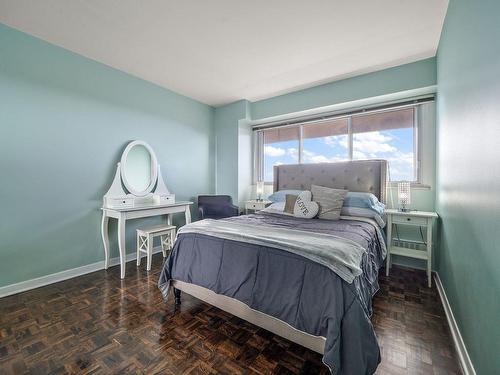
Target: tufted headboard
[[361, 175]]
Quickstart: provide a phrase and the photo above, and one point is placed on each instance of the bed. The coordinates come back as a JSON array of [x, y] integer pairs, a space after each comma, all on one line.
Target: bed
[[263, 268]]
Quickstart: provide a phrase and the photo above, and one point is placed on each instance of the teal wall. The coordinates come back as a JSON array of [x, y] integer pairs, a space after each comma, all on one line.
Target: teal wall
[[388, 81], [226, 145], [64, 121], [468, 199]]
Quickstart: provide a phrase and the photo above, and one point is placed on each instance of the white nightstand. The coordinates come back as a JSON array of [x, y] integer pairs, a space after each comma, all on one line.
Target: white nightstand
[[413, 218], [255, 205]]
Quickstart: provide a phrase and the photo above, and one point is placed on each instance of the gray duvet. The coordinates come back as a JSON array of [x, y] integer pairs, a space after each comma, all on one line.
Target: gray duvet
[[303, 293]]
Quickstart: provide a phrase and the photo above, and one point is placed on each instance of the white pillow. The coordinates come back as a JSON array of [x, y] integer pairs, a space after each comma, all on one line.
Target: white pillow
[[304, 206]]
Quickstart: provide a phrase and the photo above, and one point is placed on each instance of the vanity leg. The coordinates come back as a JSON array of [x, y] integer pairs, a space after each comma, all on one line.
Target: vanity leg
[[150, 252], [105, 238], [177, 295], [187, 214], [121, 245], [138, 251]]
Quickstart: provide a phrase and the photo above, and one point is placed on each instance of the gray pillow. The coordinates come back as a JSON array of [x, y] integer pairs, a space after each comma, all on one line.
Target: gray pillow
[[330, 201]]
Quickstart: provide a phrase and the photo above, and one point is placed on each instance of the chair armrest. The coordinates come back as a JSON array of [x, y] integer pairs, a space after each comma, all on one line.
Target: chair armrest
[[228, 210], [235, 209]]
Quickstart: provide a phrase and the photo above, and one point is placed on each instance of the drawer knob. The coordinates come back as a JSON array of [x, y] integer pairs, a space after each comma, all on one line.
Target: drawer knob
[[408, 218]]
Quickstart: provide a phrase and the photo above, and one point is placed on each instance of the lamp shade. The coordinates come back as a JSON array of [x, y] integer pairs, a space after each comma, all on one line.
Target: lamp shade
[[404, 195], [260, 188]]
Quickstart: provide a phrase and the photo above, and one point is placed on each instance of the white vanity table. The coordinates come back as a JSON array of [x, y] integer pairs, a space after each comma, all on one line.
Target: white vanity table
[[139, 211], [137, 191]]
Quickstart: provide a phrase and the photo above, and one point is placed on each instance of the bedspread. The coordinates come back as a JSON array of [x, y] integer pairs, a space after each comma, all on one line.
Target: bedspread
[[297, 290]]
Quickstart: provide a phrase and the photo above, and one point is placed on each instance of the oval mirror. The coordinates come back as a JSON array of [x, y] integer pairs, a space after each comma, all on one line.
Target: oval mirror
[[139, 168]]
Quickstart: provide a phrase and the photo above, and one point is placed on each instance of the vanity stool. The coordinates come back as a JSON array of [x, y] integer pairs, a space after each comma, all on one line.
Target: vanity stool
[[145, 238]]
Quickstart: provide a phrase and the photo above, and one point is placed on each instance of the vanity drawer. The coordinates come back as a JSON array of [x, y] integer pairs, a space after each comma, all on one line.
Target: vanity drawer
[[409, 220], [119, 202], [164, 198]]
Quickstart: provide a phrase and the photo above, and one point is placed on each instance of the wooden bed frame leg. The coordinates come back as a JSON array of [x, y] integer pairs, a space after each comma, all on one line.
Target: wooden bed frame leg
[[177, 295]]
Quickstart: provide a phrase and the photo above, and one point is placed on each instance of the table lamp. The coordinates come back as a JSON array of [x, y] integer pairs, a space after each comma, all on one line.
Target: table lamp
[[404, 196], [259, 190]]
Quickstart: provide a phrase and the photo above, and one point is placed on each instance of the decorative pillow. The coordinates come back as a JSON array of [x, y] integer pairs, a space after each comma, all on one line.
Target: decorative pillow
[[304, 206], [364, 200], [280, 195], [330, 201], [290, 203], [276, 208]]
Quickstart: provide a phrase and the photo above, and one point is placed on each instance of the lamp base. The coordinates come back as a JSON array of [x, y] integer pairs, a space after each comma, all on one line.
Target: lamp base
[[404, 209]]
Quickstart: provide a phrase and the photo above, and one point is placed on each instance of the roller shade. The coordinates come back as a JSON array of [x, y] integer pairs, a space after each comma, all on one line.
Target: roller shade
[[325, 129], [397, 119], [289, 133]]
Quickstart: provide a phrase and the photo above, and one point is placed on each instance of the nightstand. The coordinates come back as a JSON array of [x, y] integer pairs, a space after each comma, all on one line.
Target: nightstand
[[413, 218], [255, 205]]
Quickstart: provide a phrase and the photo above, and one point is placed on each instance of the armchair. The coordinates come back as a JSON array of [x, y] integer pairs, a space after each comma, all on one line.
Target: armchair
[[216, 207]]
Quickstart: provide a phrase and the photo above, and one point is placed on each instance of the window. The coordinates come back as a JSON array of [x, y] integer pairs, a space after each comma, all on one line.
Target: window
[[389, 134], [281, 146], [325, 142]]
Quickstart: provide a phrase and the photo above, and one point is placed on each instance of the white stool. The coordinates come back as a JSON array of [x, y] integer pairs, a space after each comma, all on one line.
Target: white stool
[[145, 239]]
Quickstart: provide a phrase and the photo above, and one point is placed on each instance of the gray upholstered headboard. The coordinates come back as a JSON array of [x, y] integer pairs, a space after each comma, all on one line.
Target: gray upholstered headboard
[[361, 175]]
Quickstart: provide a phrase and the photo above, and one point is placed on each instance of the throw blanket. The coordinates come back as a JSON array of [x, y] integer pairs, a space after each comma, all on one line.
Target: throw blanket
[[340, 255]]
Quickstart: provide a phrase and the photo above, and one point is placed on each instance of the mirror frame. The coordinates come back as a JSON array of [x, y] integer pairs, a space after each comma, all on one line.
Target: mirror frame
[[154, 168]]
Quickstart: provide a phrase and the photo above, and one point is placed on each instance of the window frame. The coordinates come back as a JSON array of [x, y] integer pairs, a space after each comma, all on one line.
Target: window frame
[[417, 140]]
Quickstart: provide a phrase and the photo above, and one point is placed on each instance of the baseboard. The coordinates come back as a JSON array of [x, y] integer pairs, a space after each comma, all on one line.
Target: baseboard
[[463, 355], [64, 275]]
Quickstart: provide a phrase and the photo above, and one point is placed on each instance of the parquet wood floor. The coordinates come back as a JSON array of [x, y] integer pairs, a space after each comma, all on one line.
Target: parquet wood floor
[[99, 324]]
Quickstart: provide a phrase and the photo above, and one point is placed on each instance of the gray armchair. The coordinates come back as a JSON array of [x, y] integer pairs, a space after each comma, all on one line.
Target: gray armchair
[[216, 207]]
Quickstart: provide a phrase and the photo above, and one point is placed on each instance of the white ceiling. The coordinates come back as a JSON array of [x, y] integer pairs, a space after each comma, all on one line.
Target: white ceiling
[[220, 51]]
